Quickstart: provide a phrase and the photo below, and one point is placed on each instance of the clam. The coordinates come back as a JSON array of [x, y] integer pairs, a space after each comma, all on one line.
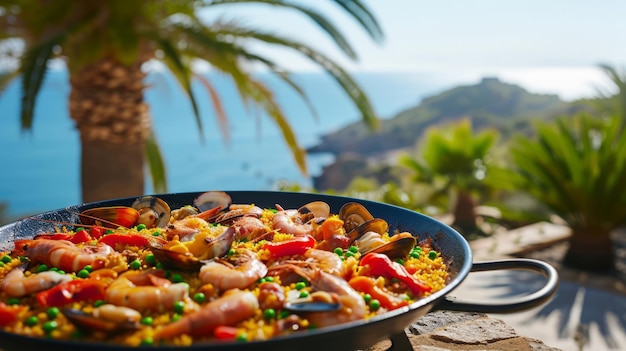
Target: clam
[[354, 214], [235, 212], [106, 318], [110, 217], [376, 225], [396, 248], [212, 199], [317, 209], [153, 211]]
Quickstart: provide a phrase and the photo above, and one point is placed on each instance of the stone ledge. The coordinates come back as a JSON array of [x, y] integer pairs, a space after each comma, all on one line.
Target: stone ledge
[[449, 331]]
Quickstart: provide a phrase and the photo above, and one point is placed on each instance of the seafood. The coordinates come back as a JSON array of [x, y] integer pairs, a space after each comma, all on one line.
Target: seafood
[[212, 199], [223, 275], [64, 254], [153, 212], [110, 217], [249, 228], [190, 254], [146, 290], [290, 222], [353, 214], [229, 309], [237, 211], [105, 318], [16, 284]]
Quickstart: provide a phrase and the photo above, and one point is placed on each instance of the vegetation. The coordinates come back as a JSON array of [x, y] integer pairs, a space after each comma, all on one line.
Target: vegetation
[[455, 162], [106, 43], [577, 166]]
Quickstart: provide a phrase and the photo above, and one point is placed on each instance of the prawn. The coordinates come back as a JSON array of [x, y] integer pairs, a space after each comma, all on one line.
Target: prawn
[[248, 269], [232, 308], [290, 222], [336, 289], [146, 290], [16, 284], [64, 254]]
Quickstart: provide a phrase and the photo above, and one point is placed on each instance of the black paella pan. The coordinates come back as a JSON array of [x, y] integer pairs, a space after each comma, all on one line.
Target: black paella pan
[[349, 336]]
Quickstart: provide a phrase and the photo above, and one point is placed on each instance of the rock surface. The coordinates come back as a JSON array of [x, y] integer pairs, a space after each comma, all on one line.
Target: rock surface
[[449, 331]]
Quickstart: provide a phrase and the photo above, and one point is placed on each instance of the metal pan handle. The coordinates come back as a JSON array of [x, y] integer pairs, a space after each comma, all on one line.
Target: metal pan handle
[[523, 303]]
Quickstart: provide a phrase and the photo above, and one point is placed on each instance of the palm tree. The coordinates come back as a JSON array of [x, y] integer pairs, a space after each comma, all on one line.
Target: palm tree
[[455, 161], [576, 166], [105, 43]]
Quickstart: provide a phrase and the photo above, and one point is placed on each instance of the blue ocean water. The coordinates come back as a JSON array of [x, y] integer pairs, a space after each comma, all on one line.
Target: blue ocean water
[[41, 167]]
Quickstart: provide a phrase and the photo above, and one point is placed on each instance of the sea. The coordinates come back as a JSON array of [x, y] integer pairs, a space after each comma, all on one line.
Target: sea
[[41, 167]]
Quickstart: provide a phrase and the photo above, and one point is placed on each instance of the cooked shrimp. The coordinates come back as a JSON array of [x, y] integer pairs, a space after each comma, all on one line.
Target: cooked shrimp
[[64, 254], [289, 222], [146, 290], [232, 308], [327, 261], [248, 269], [352, 303], [16, 284], [248, 227]]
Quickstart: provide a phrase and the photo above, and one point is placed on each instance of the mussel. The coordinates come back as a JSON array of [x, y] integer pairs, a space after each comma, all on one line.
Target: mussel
[[396, 248], [110, 217], [353, 214], [153, 211], [376, 225], [106, 318]]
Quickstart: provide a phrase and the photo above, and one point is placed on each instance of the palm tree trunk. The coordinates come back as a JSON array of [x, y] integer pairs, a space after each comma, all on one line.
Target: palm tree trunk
[[107, 104], [590, 252], [464, 213]]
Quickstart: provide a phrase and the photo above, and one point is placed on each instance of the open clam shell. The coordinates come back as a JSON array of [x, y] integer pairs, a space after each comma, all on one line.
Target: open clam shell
[[153, 211], [353, 214]]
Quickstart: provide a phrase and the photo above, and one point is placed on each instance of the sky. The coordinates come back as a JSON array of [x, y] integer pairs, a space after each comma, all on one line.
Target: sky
[[542, 44]]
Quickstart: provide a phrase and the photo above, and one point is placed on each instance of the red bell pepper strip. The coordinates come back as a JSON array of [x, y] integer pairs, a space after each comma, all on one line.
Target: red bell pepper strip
[[380, 265], [225, 332], [368, 286], [97, 232], [55, 236], [72, 291], [296, 246], [81, 236], [8, 314], [123, 239]]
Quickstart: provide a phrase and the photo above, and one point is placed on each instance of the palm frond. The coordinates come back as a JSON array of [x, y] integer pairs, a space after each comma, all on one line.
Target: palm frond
[[34, 66], [363, 15], [183, 74], [316, 17], [156, 164]]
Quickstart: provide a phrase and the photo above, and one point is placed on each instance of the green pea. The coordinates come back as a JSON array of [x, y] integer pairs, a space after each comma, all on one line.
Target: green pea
[[42, 268], [177, 278], [60, 271], [1, 264], [269, 279], [83, 273], [147, 321], [269, 313], [31, 321], [338, 251], [304, 294], [49, 326], [179, 307], [159, 265], [23, 258], [300, 285], [400, 261], [79, 229], [353, 249], [284, 314], [199, 297], [13, 301], [432, 254], [88, 268], [6, 259], [176, 317], [349, 254], [141, 227], [415, 254], [150, 259], [147, 342], [98, 303], [374, 305], [109, 231], [156, 233], [136, 264], [367, 298], [54, 269], [52, 312], [231, 252], [242, 337]]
